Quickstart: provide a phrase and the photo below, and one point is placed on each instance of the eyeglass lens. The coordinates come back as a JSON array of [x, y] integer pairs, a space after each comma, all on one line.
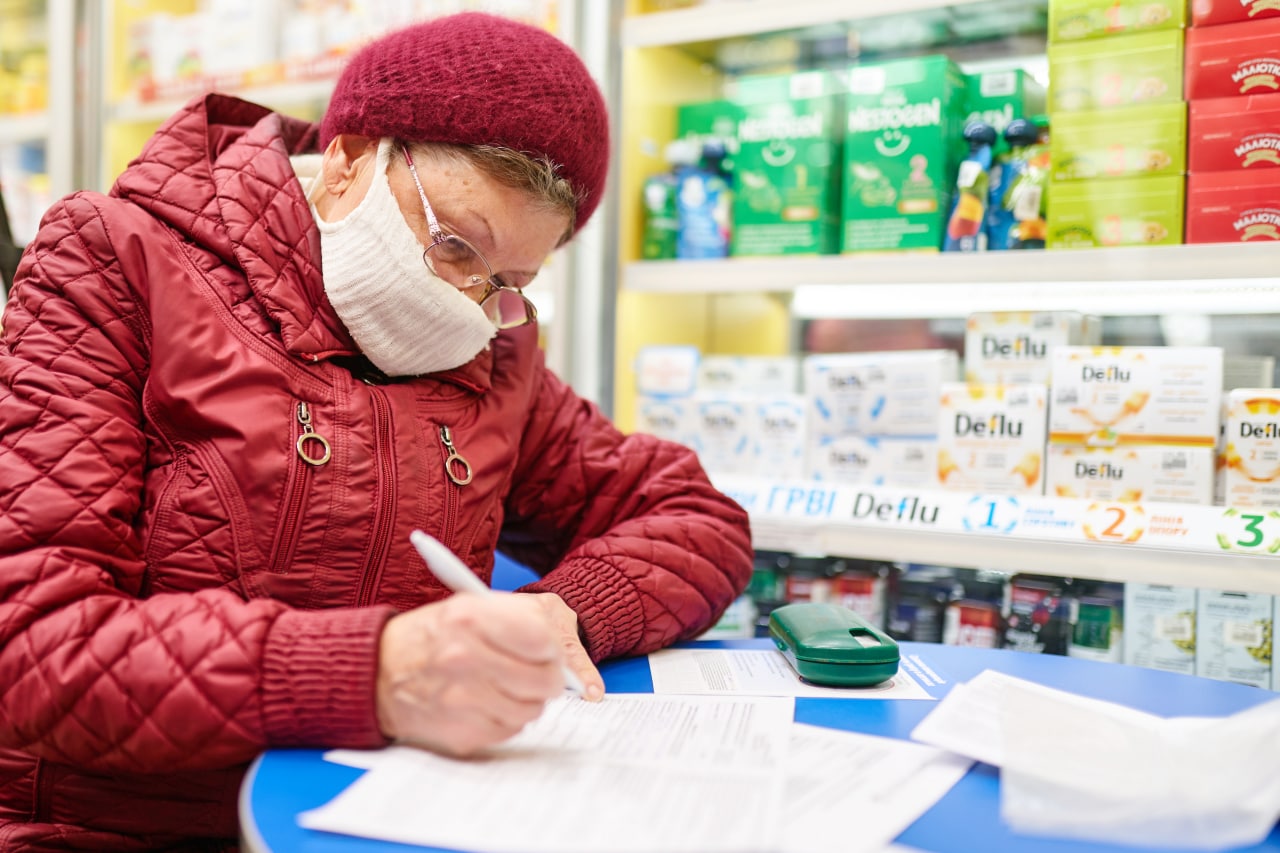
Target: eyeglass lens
[[457, 262]]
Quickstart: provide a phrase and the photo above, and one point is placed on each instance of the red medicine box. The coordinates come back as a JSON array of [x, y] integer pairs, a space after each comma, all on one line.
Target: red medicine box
[[1205, 13], [1233, 207], [1230, 134], [1234, 59]]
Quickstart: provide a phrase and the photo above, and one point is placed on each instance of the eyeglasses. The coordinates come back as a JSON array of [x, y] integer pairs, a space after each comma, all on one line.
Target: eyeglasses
[[453, 259]]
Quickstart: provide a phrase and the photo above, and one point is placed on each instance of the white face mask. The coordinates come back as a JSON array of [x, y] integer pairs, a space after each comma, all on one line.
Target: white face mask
[[404, 319]]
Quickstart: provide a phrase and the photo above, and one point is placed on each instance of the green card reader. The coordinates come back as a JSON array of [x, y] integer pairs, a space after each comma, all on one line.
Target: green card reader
[[832, 646]]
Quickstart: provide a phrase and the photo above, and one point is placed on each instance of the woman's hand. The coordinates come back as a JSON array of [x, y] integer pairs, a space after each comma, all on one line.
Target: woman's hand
[[462, 674], [574, 653]]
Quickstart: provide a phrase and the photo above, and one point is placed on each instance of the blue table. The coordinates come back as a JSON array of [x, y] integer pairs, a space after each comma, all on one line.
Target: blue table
[[283, 783]]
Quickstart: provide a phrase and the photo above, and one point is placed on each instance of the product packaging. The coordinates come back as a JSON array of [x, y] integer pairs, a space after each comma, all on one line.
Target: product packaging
[[757, 374], [965, 226], [701, 122], [902, 148], [1000, 97], [1140, 141], [703, 203], [1120, 212], [1206, 13], [1103, 396], [779, 434], [1231, 134], [882, 460], [1234, 207], [1013, 347], [877, 393], [1234, 637], [661, 219], [1160, 627], [1131, 473], [991, 438], [1251, 452], [787, 170], [722, 434], [1017, 210], [1233, 60], [1037, 612], [1097, 625], [1125, 71], [1070, 20]]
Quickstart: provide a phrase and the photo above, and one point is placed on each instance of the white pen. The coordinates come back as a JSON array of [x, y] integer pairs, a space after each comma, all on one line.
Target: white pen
[[453, 573]]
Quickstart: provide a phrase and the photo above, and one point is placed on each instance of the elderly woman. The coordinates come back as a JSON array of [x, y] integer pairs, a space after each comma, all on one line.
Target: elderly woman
[[230, 390]]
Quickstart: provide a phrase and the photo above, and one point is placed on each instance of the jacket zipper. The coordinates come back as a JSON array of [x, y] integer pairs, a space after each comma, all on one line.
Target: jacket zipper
[[313, 451], [384, 444], [458, 470]]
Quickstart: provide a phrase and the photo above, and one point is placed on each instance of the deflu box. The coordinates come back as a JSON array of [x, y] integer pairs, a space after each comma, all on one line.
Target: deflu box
[[1121, 72], [1251, 450], [787, 170], [1012, 347], [1143, 141], [1230, 134], [991, 438], [1080, 19], [1104, 396], [1131, 473], [1234, 59], [1233, 207], [902, 147], [1122, 212]]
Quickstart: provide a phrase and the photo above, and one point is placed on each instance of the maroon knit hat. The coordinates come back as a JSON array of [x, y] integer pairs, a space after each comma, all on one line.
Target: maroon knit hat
[[479, 79]]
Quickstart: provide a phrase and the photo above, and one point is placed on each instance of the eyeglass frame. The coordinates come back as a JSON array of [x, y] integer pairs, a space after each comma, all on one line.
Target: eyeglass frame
[[493, 286]]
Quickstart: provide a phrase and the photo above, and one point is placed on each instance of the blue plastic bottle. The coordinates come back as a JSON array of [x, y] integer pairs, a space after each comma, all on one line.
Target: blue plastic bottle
[[703, 202], [965, 231], [1015, 218]]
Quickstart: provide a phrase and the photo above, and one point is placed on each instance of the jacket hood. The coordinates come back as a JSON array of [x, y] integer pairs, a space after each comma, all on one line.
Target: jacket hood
[[218, 173]]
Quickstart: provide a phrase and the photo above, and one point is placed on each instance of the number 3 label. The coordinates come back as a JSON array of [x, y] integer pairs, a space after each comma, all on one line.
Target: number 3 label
[[1254, 531]]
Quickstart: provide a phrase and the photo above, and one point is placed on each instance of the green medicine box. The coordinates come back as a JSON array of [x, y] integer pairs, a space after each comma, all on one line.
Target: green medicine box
[[1122, 212], [1133, 142], [999, 97], [832, 645], [1126, 71], [786, 178], [1071, 20], [903, 145], [710, 121]]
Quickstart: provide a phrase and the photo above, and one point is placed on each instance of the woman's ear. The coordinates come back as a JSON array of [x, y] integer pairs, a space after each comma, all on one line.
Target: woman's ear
[[346, 169], [345, 160]]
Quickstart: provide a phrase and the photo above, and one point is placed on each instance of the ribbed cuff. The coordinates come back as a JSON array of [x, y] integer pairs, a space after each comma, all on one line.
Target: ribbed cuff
[[610, 614], [319, 678]]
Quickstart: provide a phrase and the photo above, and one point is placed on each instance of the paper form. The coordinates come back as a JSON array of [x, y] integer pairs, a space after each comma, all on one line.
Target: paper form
[[855, 793], [630, 774], [757, 672]]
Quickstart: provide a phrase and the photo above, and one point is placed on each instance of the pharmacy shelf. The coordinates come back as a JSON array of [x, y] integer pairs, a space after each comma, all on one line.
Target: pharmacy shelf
[[275, 95], [1207, 279], [1179, 544], [31, 127], [743, 18], [1098, 561]]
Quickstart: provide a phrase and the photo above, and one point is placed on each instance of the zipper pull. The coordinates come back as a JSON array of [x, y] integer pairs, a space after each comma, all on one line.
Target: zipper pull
[[453, 461], [309, 434]]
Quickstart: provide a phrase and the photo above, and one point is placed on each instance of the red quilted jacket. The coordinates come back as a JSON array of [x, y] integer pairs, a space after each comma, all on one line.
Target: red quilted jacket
[[179, 588]]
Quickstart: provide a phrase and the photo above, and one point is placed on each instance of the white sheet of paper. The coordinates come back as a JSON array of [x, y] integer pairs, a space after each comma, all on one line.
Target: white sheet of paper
[[757, 672], [630, 774], [854, 793], [1077, 767]]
